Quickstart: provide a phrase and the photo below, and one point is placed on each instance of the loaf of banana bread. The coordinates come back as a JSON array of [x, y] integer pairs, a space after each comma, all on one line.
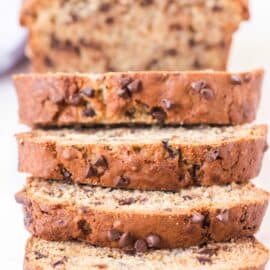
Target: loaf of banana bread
[[123, 35]]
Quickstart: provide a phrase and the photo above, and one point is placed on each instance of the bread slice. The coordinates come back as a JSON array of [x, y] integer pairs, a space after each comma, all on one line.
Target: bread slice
[[107, 35], [57, 210], [171, 98], [167, 159], [243, 254]]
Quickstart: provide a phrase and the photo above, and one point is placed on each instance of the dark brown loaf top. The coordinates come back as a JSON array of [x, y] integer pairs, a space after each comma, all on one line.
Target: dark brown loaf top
[[137, 220], [171, 98], [102, 35], [167, 159], [242, 254]]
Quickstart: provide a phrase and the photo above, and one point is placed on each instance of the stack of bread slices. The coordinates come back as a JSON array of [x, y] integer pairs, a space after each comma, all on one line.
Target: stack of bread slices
[[150, 170]]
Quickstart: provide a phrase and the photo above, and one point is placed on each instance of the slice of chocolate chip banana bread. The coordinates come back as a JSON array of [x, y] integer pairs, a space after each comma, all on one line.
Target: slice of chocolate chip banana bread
[[242, 254], [139, 158], [170, 98], [139, 220], [117, 35]]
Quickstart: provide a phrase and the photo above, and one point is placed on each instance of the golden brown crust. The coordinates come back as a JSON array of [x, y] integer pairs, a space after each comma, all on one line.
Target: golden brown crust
[[171, 98], [194, 40], [145, 166], [57, 222]]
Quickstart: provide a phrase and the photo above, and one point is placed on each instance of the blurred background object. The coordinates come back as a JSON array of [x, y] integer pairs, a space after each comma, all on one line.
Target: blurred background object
[[12, 35], [102, 36]]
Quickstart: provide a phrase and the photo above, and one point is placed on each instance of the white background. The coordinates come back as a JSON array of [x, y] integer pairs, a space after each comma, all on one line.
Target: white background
[[251, 49]]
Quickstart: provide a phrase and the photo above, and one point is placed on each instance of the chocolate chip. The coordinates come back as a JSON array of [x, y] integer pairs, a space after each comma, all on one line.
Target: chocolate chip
[[152, 63], [48, 61], [121, 181], [207, 222], [84, 227], [172, 153], [193, 172], [101, 266], [171, 52], [89, 92], [191, 42], [66, 174], [244, 216], [204, 260], [207, 93], [124, 81], [217, 8], [187, 197], [168, 104], [176, 27], [236, 79], [101, 162], [125, 240], [196, 64], [91, 171], [266, 147], [153, 241], [88, 112], [62, 261], [158, 114], [109, 20], [198, 85], [146, 2], [212, 155], [197, 218], [113, 235], [130, 112], [126, 201], [123, 93], [140, 246], [39, 255], [210, 251], [223, 216], [135, 86], [104, 7]]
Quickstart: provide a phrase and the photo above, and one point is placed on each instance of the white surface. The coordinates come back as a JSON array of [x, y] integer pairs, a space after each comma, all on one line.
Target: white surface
[[251, 49], [12, 36]]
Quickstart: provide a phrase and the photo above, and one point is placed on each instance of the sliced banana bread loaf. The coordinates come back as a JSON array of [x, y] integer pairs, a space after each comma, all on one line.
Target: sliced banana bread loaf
[[244, 254], [136, 220], [117, 35], [171, 98], [167, 159]]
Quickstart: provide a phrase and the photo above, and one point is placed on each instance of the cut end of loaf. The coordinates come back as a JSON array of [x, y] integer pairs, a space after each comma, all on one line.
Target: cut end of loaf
[[201, 135]]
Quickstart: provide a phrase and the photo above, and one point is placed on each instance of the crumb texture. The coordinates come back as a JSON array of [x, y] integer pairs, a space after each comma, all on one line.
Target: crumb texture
[[198, 35], [241, 254]]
